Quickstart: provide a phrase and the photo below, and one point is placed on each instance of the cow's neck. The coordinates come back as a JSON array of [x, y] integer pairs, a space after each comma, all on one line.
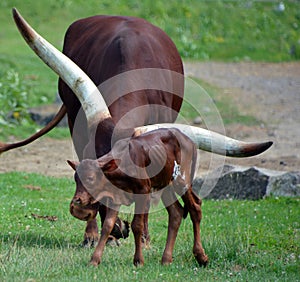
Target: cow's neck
[[102, 137]]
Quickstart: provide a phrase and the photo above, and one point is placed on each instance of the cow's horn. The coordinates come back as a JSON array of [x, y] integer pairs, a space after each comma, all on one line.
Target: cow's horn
[[211, 141], [88, 94]]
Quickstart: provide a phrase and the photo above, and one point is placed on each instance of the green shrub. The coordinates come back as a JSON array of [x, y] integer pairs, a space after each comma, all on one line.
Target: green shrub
[[13, 99]]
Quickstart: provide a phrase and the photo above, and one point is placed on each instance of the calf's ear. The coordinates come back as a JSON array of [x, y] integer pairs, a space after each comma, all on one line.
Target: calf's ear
[[73, 164], [109, 166]]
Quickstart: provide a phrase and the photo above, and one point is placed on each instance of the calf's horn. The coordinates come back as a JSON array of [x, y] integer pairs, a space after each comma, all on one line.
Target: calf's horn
[[211, 141], [86, 91]]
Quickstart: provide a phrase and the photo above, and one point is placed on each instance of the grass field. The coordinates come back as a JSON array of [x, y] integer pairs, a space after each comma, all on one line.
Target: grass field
[[245, 240]]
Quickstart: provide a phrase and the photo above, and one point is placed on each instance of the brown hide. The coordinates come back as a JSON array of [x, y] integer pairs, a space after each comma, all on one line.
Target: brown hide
[[105, 46], [160, 162]]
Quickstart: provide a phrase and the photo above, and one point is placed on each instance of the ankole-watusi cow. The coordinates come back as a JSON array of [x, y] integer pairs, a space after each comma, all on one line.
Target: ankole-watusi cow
[[140, 77]]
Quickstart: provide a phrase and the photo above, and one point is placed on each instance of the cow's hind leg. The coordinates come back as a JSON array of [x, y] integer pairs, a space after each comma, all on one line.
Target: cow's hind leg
[[175, 212], [193, 204]]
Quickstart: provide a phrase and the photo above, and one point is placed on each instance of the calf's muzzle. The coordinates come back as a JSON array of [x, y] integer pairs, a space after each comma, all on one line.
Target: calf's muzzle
[[81, 212]]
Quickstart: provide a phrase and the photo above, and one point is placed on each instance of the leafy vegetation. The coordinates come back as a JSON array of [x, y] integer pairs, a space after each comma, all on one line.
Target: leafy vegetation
[[245, 240], [13, 95]]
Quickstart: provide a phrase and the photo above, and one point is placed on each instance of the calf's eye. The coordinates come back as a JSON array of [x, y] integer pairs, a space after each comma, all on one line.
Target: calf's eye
[[90, 179]]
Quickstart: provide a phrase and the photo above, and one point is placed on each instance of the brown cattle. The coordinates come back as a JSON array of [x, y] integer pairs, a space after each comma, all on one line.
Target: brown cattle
[[104, 47], [159, 163], [95, 129]]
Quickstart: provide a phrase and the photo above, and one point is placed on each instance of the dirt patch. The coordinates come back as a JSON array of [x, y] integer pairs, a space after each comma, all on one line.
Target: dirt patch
[[270, 92]]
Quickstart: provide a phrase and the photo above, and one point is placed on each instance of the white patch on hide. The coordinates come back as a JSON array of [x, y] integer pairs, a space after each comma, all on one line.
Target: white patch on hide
[[176, 170]]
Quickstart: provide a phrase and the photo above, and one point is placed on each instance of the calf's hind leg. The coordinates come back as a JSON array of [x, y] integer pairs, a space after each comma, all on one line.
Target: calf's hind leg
[[175, 211], [193, 204]]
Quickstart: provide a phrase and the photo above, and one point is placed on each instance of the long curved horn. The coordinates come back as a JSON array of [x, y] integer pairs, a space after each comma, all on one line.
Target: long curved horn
[[96, 110], [86, 91], [211, 141], [58, 117]]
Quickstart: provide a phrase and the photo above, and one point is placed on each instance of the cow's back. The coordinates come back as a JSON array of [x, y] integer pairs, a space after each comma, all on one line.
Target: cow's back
[[105, 46]]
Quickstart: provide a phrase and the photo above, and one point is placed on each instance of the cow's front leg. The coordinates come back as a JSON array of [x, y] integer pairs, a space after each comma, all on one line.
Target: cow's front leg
[[91, 234], [108, 224], [146, 235]]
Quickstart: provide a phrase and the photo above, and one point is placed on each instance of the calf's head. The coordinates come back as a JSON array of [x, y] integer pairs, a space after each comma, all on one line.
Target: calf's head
[[90, 187]]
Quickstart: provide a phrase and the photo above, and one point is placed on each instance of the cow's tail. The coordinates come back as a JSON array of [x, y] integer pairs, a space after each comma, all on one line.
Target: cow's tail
[[213, 142], [57, 118]]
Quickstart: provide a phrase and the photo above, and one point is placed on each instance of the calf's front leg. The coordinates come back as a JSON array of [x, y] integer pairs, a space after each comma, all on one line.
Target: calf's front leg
[[107, 227]]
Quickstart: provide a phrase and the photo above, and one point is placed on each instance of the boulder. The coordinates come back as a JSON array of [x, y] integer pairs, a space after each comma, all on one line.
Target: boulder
[[42, 115], [251, 183]]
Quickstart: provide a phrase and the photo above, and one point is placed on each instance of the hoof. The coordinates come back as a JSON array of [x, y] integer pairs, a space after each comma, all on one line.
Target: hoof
[[202, 260], [138, 262], [146, 242], [95, 260], [94, 263], [112, 241], [89, 242], [121, 229], [166, 260]]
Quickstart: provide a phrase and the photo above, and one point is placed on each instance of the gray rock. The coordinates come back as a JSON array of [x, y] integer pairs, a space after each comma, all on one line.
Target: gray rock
[[287, 184], [197, 120], [252, 183], [42, 115]]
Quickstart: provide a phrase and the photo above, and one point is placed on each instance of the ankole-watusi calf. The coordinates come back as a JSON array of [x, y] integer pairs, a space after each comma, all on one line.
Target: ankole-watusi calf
[[160, 163]]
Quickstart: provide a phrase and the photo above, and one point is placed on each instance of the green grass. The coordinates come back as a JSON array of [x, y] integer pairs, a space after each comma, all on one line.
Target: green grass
[[231, 30], [245, 240], [214, 108]]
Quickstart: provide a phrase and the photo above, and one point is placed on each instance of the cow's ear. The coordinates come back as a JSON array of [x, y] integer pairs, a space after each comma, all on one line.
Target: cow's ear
[[73, 164], [110, 165]]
